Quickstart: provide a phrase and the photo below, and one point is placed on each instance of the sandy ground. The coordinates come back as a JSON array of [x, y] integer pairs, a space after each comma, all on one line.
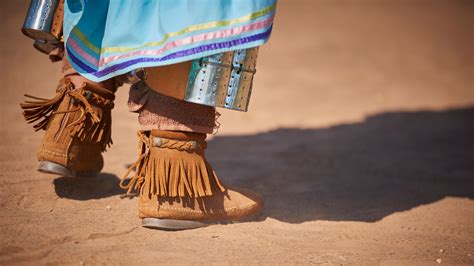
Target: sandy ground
[[360, 136]]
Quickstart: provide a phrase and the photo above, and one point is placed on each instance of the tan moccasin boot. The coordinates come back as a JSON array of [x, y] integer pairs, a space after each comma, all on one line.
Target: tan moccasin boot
[[77, 124], [178, 188]]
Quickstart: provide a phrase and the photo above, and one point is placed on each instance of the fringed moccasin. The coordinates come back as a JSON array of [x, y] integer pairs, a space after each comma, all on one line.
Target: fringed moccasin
[[77, 124], [177, 187]]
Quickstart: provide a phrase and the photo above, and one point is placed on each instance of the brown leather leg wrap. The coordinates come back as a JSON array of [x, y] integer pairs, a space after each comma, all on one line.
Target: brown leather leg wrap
[[156, 111], [85, 111], [173, 164]]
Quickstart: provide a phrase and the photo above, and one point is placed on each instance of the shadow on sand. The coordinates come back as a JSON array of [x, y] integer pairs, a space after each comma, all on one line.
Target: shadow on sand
[[356, 172], [102, 186]]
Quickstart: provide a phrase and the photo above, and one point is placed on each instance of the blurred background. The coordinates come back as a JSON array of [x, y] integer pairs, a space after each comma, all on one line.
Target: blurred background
[[360, 136]]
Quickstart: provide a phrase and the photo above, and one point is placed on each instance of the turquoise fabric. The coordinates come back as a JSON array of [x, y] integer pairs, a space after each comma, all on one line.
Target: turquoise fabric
[[106, 38]]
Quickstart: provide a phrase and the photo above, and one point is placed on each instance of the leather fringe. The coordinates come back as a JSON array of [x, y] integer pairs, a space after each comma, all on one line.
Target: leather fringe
[[42, 109], [171, 173], [93, 124]]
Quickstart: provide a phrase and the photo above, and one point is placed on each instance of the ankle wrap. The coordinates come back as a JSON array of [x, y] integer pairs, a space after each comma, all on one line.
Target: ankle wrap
[[160, 112], [172, 164], [85, 112]]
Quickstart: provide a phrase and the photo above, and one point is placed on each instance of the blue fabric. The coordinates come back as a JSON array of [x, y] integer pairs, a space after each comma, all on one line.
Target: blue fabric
[[106, 38]]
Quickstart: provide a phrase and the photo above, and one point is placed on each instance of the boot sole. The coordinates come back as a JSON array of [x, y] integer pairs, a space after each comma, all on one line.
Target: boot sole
[[178, 225], [54, 168], [57, 169], [172, 225]]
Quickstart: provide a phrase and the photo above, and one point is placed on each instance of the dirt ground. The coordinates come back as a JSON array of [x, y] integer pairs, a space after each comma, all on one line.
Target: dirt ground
[[360, 137]]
